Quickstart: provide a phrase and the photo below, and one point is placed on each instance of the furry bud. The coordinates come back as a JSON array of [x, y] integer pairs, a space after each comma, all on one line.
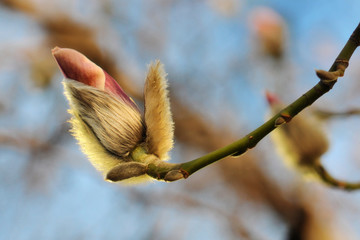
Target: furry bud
[[116, 124], [270, 29], [125, 171], [107, 123], [158, 119], [174, 175]]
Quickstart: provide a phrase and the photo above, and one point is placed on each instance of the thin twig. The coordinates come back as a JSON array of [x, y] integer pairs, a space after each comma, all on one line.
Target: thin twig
[[330, 180], [324, 114]]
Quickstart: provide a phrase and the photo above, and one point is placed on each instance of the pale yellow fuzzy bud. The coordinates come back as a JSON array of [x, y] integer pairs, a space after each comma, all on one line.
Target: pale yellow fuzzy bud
[[158, 119], [116, 124]]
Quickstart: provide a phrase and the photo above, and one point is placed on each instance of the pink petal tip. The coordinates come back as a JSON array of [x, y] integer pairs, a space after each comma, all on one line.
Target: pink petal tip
[[271, 98], [76, 66]]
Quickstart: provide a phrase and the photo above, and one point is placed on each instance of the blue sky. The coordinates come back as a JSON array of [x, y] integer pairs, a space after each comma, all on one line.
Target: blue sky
[[213, 67]]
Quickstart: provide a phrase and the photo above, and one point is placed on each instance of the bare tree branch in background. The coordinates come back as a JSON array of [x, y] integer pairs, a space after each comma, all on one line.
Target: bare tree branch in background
[[325, 114]]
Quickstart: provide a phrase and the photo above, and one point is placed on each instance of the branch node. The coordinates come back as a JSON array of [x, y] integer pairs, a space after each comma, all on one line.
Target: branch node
[[329, 78], [286, 116], [185, 173], [279, 121], [174, 175], [341, 64], [251, 144]]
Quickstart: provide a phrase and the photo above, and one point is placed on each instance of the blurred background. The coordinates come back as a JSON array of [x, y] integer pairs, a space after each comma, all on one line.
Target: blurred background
[[221, 56]]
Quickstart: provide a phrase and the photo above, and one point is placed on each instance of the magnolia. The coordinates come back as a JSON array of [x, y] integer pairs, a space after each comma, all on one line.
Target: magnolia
[[109, 127], [301, 142], [270, 29]]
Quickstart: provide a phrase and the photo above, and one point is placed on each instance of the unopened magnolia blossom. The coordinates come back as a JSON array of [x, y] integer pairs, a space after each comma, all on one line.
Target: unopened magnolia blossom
[[108, 124], [301, 142], [270, 29]]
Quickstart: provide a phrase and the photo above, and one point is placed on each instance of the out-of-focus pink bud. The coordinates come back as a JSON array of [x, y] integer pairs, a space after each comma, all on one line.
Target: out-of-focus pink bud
[[269, 27], [272, 98], [301, 142], [76, 66]]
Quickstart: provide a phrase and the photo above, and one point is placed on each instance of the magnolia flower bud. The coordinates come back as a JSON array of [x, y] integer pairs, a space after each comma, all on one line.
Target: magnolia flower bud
[[301, 142], [269, 28], [107, 123]]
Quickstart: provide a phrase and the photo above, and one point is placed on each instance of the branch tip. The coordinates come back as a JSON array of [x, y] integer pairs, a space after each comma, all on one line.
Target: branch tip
[[355, 36]]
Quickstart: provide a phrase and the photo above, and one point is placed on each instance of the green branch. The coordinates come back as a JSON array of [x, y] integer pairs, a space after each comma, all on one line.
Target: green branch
[[327, 81], [171, 172]]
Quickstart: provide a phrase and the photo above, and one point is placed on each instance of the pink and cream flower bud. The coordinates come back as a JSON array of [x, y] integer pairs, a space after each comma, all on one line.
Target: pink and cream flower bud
[[269, 28], [107, 123], [76, 66], [301, 142]]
